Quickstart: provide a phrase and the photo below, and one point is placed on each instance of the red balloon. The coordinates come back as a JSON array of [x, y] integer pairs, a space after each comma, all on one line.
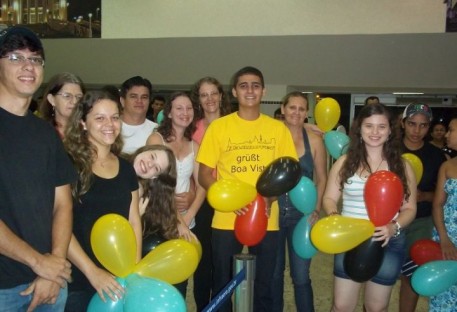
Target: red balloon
[[425, 250], [251, 227], [383, 196]]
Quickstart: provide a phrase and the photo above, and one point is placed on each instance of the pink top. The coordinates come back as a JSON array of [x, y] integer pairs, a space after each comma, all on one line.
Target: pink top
[[199, 132]]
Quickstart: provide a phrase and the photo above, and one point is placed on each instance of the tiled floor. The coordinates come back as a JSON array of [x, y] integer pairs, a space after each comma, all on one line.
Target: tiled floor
[[322, 278]]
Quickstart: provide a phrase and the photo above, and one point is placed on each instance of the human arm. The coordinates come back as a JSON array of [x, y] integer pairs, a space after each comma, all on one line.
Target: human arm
[[314, 128], [103, 281], [320, 169], [184, 200], [135, 222], [448, 249], [205, 176], [332, 191], [154, 138]]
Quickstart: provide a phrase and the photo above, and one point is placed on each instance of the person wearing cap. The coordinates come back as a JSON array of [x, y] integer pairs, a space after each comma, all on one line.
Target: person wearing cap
[[135, 93], [35, 178], [415, 124]]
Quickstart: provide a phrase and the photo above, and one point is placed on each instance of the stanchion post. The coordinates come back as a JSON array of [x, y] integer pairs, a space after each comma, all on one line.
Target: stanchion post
[[244, 293]]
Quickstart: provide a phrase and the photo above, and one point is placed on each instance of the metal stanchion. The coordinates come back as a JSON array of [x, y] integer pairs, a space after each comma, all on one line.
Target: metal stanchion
[[244, 293]]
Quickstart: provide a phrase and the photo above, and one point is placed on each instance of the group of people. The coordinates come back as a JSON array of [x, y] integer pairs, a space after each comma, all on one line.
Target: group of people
[[97, 152]]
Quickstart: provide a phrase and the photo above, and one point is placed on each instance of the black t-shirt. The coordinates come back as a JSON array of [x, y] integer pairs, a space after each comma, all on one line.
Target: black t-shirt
[[432, 158], [104, 196], [33, 163]]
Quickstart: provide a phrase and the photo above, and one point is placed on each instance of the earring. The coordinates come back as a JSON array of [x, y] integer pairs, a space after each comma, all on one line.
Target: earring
[[53, 113]]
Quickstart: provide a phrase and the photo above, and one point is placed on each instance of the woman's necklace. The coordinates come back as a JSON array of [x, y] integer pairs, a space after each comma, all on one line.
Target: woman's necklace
[[377, 168]]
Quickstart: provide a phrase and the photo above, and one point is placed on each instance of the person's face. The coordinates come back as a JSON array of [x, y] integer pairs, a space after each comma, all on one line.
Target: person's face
[[66, 99], [210, 98], [249, 91], [182, 112], [150, 164], [20, 79], [416, 128], [157, 106], [451, 135], [372, 101], [438, 132], [136, 101], [375, 130], [103, 123], [295, 111]]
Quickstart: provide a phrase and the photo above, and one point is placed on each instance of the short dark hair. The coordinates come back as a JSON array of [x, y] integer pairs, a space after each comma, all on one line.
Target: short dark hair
[[371, 98], [133, 82], [158, 98], [248, 70], [19, 38]]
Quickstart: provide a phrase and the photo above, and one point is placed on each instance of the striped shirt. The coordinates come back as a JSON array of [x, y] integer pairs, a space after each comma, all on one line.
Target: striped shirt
[[353, 201]]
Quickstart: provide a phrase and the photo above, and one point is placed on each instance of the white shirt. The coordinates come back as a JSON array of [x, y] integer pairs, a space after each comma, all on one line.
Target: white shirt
[[135, 136]]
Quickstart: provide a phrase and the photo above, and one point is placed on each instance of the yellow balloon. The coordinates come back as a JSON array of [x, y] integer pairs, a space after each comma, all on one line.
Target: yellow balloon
[[416, 164], [336, 234], [327, 114], [114, 244], [173, 262], [227, 195], [196, 243]]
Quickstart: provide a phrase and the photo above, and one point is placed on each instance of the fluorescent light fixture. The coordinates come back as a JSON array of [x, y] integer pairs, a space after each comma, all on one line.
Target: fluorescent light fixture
[[306, 92], [408, 93]]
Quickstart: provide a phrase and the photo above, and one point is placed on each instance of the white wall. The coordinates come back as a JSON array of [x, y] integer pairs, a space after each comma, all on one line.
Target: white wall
[[211, 18]]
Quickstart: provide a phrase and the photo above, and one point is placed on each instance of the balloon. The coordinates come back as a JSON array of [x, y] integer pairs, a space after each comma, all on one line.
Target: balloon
[[336, 234], [160, 117], [173, 261], [251, 227], [327, 113], [228, 195], [363, 262], [425, 250], [150, 242], [304, 196], [279, 177], [383, 196], [96, 304], [336, 143], [152, 295], [114, 244], [434, 277], [416, 164], [301, 240]]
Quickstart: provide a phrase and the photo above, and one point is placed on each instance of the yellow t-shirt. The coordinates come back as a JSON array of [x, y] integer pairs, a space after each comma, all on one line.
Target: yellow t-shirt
[[241, 149]]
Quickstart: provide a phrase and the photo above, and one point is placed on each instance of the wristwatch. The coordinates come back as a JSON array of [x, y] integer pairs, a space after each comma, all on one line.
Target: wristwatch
[[397, 228]]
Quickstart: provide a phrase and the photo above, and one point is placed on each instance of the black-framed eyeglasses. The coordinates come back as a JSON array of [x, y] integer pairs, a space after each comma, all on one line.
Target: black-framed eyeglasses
[[19, 59]]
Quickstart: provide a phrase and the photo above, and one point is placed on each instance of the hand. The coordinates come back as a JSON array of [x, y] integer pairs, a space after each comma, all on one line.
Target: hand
[[313, 217], [105, 284], [44, 292], [185, 233], [242, 211], [183, 201], [53, 268], [448, 250], [143, 204], [384, 233]]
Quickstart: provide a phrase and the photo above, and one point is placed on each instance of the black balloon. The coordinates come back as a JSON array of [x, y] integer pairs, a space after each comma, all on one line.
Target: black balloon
[[363, 262], [279, 177], [150, 242]]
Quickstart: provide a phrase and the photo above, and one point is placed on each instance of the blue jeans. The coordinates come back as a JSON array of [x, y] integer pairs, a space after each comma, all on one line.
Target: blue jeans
[[225, 245], [299, 267], [12, 300]]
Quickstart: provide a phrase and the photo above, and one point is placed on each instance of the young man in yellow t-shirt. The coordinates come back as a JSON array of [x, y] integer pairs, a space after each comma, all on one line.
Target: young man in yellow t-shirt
[[240, 145]]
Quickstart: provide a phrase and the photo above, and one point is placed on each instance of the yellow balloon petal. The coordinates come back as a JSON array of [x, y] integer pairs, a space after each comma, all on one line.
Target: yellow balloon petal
[[227, 195], [113, 241], [416, 164], [327, 114], [336, 234]]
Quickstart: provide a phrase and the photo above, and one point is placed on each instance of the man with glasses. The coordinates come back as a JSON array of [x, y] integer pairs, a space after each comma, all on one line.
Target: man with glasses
[[135, 95], [35, 177], [415, 124]]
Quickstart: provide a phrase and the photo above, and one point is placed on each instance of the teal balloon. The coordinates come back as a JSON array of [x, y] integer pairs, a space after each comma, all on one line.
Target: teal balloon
[[152, 295], [304, 196], [434, 277], [301, 239], [96, 304], [160, 117], [336, 143]]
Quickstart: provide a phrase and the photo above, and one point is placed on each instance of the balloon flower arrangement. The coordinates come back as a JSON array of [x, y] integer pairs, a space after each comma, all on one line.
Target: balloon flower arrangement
[[147, 283], [383, 196]]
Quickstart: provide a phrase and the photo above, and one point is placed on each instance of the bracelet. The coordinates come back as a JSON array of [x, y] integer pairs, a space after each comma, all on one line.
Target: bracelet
[[397, 228]]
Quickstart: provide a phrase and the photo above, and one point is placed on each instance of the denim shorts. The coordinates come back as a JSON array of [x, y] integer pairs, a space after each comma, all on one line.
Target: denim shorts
[[394, 257]]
